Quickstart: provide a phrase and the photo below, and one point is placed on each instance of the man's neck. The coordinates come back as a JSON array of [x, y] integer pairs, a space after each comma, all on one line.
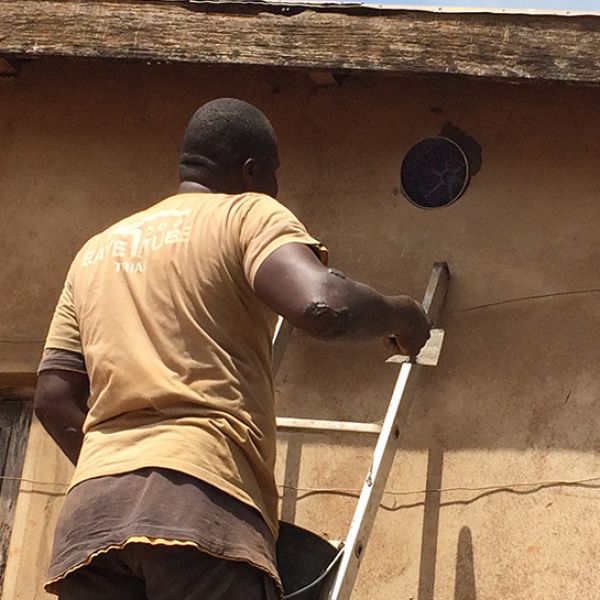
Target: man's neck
[[191, 187]]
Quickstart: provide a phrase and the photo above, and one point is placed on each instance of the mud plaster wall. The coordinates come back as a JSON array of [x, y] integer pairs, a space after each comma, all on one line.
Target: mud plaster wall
[[516, 395]]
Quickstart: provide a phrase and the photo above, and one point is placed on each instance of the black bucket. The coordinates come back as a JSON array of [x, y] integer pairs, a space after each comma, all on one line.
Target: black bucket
[[302, 558]]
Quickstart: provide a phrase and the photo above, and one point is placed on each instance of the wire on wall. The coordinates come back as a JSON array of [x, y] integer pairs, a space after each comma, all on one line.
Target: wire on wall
[[506, 487]]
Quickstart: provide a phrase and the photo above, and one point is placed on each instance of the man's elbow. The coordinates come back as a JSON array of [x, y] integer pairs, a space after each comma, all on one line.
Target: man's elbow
[[323, 320]]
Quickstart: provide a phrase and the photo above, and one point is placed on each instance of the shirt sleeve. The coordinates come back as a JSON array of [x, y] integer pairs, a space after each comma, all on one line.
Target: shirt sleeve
[[266, 226], [64, 328], [55, 359]]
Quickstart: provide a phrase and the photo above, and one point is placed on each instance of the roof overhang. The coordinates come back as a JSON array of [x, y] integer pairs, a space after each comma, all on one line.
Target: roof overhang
[[498, 46], [458, 8]]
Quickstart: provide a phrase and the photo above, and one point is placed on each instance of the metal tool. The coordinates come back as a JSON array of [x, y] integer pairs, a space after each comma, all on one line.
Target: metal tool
[[341, 585]]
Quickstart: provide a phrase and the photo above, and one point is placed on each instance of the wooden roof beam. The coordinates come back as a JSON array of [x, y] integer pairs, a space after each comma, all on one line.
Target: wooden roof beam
[[512, 47]]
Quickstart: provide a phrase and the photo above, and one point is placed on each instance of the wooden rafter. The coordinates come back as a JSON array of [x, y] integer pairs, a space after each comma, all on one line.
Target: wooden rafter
[[514, 47]]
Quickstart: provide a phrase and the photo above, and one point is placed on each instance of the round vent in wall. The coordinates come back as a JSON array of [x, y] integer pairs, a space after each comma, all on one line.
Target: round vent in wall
[[434, 173]]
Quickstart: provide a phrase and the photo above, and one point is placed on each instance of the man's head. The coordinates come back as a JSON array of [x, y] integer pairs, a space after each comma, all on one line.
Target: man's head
[[230, 147]]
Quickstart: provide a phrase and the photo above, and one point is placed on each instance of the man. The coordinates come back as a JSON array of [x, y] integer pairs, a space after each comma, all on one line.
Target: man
[[156, 376]]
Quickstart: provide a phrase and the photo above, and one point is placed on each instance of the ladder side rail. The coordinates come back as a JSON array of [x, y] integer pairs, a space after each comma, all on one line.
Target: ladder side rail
[[383, 457], [371, 495], [281, 337]]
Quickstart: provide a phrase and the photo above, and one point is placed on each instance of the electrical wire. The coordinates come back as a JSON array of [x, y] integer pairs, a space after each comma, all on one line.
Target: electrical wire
[[525, 299], [323, 490], [505, 486], [319, 579], [456, 310]]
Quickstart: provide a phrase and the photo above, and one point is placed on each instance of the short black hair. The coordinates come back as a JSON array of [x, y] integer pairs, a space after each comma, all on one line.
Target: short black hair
[[223, 134]]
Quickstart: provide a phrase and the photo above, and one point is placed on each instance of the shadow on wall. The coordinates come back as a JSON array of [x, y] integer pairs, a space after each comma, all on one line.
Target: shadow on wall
[[464, 585], [464, 580], [431, 516]]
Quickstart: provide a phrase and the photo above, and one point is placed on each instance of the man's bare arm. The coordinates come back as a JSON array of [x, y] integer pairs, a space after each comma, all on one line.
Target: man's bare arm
[[325, 303], [60, 403]]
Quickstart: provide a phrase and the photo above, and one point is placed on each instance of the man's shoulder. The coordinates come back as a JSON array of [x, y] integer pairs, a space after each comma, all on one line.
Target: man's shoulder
[[259, 206], [96, 246], [169, 205]]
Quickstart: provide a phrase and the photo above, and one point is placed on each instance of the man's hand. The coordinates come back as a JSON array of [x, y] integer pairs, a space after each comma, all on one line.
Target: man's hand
[[414, 327]]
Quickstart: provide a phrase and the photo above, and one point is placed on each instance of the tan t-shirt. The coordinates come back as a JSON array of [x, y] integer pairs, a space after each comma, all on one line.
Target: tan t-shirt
[[177, 345]]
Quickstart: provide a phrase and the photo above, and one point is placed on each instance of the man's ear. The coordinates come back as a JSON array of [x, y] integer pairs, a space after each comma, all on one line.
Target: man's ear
[[249, 173]]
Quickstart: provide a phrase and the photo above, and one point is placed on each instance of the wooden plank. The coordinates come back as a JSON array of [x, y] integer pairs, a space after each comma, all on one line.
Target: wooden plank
[[41, 493], [430, 353], [437, 290], [515, 47], [15, 418]]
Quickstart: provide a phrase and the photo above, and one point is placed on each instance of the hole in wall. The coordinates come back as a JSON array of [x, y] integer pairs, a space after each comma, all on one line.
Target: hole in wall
[[437, 170]]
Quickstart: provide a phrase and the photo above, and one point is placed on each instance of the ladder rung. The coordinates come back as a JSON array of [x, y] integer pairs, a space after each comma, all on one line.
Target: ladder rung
[[314, 426]]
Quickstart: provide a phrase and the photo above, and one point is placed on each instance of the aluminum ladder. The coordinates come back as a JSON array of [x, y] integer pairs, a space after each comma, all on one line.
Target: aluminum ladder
[[351, 552]]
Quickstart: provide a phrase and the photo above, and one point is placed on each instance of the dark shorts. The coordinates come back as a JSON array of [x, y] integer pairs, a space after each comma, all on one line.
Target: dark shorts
[[180, 520], [159, 572]]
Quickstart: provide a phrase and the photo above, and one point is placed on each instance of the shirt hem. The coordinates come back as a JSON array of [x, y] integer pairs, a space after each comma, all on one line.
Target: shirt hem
[[192, 470], [50, 584]]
